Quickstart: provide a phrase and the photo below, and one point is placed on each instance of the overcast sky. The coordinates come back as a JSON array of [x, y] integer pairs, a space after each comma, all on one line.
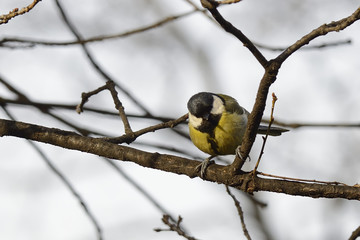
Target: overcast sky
[[163, 68]]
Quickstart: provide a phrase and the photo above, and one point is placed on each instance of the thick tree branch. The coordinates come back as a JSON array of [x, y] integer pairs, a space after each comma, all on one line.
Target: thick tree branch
[[255, 116], [246, 182], [271, 70]]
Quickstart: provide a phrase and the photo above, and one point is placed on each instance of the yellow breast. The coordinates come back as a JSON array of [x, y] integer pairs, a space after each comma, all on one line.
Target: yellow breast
[[225, 138]]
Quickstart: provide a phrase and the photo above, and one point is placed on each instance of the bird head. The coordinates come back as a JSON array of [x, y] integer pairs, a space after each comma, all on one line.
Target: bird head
[[205, 109]]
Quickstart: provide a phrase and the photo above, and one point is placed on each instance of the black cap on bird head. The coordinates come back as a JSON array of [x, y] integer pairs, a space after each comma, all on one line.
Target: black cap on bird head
[[200, 104]]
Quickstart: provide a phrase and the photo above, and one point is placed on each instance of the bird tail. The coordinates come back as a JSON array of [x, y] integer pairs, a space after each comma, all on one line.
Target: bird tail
[[274, 131]]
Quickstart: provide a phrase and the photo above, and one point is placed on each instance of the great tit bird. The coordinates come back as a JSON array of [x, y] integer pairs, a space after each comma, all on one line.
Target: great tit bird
[[217, 125]]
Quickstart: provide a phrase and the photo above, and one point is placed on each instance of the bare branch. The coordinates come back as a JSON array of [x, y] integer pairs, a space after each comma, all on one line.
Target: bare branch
[[5, 42], [303, 180], [271, 70], [131, 137], [169, 163], [118, 105], [310, 47], [92, 60], [269, 77], [136, 185], [240, 212], [355, 234], [16, 12], [71, 107], [267, 133], [66, 182], [212, 5], [324, 29], [316, 125], [21, 97], [174, 226]]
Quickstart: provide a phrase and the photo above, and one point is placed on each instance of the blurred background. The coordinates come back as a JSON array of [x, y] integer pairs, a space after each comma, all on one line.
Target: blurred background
[[162, 68]]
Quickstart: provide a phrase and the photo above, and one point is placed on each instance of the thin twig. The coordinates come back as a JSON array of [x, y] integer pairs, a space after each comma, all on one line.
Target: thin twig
[[21, 97], [240, 212], [71, 107], [92, 60], [203, 11], [128, 138], [174, 226], [16, 12], [33, 42], [212, 5], [274, 99], [67, 183], [118, 105], [52, 105], [312, 124], [334, 26], [129, 135], [136, 185], [311, 47], [258, 215], [302, 180]]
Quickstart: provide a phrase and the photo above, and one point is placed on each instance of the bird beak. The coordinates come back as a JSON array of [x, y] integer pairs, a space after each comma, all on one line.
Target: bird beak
[[206, 117]]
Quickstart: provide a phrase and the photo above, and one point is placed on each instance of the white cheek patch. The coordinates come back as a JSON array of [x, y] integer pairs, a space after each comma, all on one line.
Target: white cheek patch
[[195, 121], [218, 106]]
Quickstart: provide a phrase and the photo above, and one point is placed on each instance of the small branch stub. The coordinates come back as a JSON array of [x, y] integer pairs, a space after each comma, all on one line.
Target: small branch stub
[[118, 105]]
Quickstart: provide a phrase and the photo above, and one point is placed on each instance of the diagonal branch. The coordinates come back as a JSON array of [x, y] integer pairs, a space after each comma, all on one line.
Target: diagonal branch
[[66, 182], [269, 78], [271, 70], [324, 29], [211, 5], [355, 234], [16, 12], [92, 60], [240, 212]]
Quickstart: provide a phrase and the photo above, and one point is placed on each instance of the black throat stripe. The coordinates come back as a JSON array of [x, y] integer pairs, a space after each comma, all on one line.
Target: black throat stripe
[[213, 144], [208, 126]]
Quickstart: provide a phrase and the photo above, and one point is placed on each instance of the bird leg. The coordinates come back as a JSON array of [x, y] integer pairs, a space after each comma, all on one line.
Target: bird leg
[[203, 166], [238, 153]]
